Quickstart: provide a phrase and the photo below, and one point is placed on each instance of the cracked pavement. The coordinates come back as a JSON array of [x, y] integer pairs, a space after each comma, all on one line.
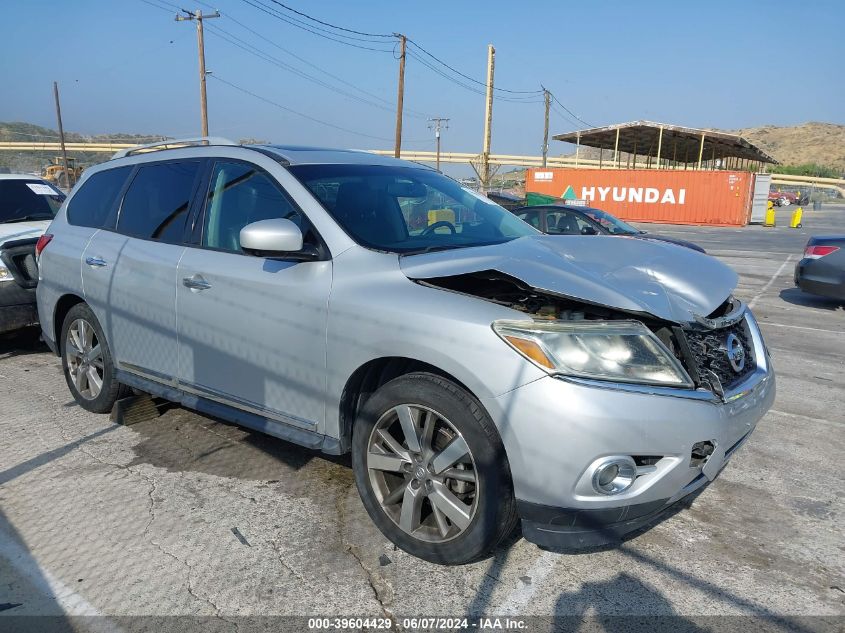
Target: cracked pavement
[[144, 519]]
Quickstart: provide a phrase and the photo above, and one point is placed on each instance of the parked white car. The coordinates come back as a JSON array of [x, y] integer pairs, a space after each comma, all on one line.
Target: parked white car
[[27, 205]]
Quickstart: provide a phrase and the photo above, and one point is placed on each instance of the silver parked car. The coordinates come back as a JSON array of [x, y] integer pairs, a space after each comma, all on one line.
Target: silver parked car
[[480, 373]]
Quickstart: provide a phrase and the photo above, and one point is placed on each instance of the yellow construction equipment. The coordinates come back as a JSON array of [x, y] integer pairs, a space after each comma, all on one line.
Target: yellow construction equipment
[[795, 223], [55, 172], [770, 214]]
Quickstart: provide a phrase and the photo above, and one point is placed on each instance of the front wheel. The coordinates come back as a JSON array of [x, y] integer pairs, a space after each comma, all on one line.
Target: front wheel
[[87, 361], [432, 471]]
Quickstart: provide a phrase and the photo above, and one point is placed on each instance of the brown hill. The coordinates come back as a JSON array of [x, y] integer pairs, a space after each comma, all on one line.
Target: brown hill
[[813, 142]]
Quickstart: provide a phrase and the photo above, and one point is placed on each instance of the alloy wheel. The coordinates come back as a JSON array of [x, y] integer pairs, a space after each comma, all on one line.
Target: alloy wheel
[[423, 473], [84, 359]]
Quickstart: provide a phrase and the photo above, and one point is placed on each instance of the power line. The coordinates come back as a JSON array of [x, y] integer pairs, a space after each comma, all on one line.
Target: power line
[[318, 68], [305, 116], [473, 80], [528, 96], [158, 6], [280, 16], [253, 50], [575, 116], [569, 120], [340, 28], [465, 86]]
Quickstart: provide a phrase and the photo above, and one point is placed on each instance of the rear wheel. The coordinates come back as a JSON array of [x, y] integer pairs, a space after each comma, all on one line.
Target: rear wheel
[[87, 362], [432, 471]]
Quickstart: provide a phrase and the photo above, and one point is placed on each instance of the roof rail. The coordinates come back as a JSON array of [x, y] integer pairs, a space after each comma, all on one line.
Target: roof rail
[[174, 143]]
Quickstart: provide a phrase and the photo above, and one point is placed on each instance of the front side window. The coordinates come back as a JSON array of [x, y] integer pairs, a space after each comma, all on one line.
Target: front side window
[[565, 223], [609, 223], [408, 209], [156, 204], [239, 194]]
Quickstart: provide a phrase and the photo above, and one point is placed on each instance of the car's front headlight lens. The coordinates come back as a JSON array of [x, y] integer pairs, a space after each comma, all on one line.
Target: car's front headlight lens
[[5, 274], [622, 351]]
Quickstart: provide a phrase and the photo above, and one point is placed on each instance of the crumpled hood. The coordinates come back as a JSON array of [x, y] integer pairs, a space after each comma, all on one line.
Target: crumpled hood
[[630, 274], [22, 230]]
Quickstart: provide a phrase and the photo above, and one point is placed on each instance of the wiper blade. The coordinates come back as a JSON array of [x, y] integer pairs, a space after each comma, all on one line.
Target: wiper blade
[[434, 248]]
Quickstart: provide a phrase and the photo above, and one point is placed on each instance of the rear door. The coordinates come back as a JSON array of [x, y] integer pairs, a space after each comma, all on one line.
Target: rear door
[[92, 207], [251, 330], [130, 272]]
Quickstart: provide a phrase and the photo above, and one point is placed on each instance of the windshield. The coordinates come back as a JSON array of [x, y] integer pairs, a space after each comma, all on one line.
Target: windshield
[[28, 199], [611, 224], [408, 209]]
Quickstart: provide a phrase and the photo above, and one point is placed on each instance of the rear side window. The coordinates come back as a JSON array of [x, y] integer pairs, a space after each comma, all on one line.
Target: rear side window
[[156, 204], [93, 203]]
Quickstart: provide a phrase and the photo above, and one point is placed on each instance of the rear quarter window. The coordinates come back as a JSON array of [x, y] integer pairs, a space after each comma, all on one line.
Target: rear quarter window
[[93, 204]]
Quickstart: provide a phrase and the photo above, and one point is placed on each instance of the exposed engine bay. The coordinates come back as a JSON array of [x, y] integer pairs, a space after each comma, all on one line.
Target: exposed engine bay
[[698, 346]]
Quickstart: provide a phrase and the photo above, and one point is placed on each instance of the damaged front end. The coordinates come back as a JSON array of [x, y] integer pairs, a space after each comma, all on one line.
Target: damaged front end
[[715, 351]]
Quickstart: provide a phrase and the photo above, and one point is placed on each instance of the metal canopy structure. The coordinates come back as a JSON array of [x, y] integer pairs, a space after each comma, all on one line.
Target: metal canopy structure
[[669, 144]]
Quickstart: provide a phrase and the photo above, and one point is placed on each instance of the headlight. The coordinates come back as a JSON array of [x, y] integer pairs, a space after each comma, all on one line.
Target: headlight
[[622, 351], [5, 274]]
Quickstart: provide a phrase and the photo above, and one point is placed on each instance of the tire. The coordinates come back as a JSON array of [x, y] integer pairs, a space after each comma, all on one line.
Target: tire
[[81, 334], [390, 473]]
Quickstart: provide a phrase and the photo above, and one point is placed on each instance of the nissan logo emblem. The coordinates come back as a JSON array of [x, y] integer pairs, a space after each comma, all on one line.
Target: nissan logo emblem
[[735, 352]]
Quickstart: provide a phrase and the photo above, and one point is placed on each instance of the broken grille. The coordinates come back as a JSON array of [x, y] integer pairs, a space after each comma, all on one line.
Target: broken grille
[[709, 358]]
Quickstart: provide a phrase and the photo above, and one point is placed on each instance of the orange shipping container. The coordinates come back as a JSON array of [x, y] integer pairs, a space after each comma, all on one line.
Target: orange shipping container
[[719, 198]]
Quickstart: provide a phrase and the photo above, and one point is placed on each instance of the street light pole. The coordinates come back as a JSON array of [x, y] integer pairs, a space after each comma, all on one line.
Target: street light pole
[[437, 124]]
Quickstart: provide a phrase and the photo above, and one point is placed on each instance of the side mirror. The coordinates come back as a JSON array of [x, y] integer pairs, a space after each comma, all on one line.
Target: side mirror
[[278, 238], [588, 230]]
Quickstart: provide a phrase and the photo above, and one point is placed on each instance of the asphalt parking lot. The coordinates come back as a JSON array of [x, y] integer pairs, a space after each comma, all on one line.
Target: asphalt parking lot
[[186, 515]]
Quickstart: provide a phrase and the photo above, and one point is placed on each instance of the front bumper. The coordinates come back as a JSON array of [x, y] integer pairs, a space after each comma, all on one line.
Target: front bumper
[[17, 307], [553, 429]]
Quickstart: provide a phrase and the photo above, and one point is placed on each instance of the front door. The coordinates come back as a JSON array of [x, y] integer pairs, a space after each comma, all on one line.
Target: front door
[[251, 330]]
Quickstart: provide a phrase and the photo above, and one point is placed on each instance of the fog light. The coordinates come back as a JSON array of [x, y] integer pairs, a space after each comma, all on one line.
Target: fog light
[[614, 475]]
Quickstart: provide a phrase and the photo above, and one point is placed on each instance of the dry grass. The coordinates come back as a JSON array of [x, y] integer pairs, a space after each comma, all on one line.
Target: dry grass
[[822, 143]]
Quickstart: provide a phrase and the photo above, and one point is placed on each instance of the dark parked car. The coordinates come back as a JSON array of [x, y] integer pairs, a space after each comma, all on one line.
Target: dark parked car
[[571, 220], [822, 269]]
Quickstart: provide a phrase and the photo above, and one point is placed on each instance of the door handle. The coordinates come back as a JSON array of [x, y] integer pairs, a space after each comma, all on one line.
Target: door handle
[[96, 262], [195, 282]]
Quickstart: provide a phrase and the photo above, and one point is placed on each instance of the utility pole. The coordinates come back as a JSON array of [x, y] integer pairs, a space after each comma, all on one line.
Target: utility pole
[[400, 98], [488, 119], [69, 176], [436, 124], [198, 17], [547, 96]]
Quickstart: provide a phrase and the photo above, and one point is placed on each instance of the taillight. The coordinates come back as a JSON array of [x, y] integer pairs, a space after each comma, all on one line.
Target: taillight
[[42, 242], [814, 252]]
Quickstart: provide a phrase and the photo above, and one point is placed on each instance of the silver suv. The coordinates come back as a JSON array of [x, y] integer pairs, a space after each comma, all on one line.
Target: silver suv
[[479, 372]]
